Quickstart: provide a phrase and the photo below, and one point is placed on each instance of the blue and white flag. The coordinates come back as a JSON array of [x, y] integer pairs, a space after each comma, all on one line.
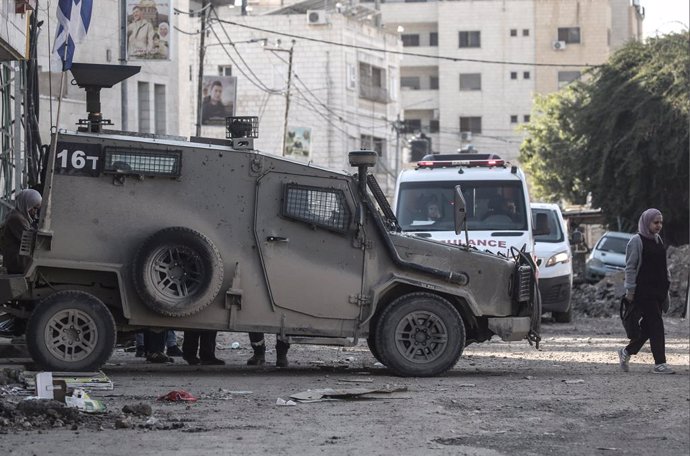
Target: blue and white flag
[[74, 17]]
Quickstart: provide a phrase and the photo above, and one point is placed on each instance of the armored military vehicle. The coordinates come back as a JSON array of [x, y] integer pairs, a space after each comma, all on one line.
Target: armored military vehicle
[[147, 231]]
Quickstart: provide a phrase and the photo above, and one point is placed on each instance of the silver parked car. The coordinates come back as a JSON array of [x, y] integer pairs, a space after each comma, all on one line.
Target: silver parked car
[[608, 256]]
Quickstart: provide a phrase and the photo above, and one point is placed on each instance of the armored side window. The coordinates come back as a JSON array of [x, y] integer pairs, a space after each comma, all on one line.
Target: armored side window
[[143, 162], [324, 207]]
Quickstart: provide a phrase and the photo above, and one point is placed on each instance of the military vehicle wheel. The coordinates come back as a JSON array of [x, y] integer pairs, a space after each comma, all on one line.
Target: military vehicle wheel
[[178, 272], [420, 335], [71, 331], [371, 343]]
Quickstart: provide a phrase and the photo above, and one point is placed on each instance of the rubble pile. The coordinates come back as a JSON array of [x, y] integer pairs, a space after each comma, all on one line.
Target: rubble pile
[[603, 298]]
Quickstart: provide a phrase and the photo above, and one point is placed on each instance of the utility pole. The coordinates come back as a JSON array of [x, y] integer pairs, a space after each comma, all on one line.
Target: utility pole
[[287, 97], [398, 126], [287, 91], [123, 61], [202, 53]]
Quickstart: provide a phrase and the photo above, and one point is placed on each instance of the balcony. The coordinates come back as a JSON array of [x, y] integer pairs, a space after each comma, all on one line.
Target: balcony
[[373, 93]]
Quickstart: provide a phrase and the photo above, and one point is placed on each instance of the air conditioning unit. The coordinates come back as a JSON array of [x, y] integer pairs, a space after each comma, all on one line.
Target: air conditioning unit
[[559, 45], [316, 17], [466, 135]]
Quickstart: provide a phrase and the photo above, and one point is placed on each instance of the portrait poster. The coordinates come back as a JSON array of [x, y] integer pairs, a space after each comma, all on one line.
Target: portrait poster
[[148, 29], [218, 95], [298, 142]]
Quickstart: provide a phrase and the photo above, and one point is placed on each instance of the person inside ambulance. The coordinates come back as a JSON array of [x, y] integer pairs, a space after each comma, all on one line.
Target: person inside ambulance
[[500, 210], [433, 211]]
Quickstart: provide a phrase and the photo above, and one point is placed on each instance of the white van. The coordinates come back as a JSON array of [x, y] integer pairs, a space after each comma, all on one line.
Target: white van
[[554, 258], [498, 210]]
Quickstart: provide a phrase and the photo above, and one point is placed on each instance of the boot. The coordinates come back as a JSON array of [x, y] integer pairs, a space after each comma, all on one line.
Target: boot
[[259, 356], [281, 353]]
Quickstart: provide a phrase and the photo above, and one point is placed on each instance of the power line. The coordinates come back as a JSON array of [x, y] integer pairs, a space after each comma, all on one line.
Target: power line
[[403, 53]]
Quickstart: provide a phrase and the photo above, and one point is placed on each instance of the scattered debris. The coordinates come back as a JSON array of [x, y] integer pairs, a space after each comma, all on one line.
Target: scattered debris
[[283, 402], [178, 396], [94, 381], [140, 409], [356, 380], [330, 394], [81, 401], [574, 382]]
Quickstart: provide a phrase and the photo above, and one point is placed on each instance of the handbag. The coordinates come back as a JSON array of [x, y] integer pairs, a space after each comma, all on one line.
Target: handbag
[[631, 315]]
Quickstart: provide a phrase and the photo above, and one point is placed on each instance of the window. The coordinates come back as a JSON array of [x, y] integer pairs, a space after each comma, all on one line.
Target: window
[[433, 39], [525, 32], [413, 125], [569, 34], [410, 82], [566, 77], [526, 118], [410, 40], [513, 32], [433, 82], [434, 126], [525, 75], [351, 77], [373, 143], [160, 109], [317, 206], [225, 70], [469, 39], [470, 81], [144, 107], [372, 83], [471, 124], [513, 75], [513, 119]]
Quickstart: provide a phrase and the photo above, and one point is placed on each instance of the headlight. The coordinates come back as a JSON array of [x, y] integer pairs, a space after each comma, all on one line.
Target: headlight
[[560, 257]]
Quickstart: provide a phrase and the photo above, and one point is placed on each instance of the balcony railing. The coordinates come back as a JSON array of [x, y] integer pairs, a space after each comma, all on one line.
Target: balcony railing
[[373, 93]]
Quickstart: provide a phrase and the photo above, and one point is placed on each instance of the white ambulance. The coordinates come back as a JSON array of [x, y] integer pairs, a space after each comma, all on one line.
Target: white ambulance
[[498, 209]]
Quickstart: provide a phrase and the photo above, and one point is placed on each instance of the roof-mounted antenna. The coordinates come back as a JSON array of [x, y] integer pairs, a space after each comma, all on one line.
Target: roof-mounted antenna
[[93, 77]]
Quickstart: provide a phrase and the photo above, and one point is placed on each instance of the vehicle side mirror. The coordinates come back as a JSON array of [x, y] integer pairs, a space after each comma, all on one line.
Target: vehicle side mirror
[[541, 225], [459, 210]]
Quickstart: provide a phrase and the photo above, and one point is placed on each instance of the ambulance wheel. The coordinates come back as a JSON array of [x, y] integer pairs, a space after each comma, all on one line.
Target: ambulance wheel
[[420, 335], [71, 331], [178, 272]]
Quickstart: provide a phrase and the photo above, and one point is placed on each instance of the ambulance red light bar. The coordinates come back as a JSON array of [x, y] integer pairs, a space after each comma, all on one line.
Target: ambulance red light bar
[[456, 163]]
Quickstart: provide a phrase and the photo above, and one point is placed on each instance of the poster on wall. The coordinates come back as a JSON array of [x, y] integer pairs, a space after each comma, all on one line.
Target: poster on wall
[[218, 99], [148, 29], [298, 142]]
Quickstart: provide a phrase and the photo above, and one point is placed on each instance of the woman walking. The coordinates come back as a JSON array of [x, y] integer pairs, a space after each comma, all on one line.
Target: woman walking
[[647, 281]]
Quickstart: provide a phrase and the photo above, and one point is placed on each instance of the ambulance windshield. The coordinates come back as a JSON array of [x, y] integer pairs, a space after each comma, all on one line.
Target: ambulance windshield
[[491, 206]]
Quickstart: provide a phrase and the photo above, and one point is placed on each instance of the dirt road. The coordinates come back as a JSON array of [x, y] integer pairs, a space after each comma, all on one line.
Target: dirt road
[[569, 397]]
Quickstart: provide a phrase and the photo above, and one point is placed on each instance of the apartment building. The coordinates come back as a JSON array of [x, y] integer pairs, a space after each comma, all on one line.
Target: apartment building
[[343, 89], [473, 67]]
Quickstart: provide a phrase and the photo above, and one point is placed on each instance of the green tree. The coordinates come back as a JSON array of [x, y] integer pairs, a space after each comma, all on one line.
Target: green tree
[[622, 136]]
